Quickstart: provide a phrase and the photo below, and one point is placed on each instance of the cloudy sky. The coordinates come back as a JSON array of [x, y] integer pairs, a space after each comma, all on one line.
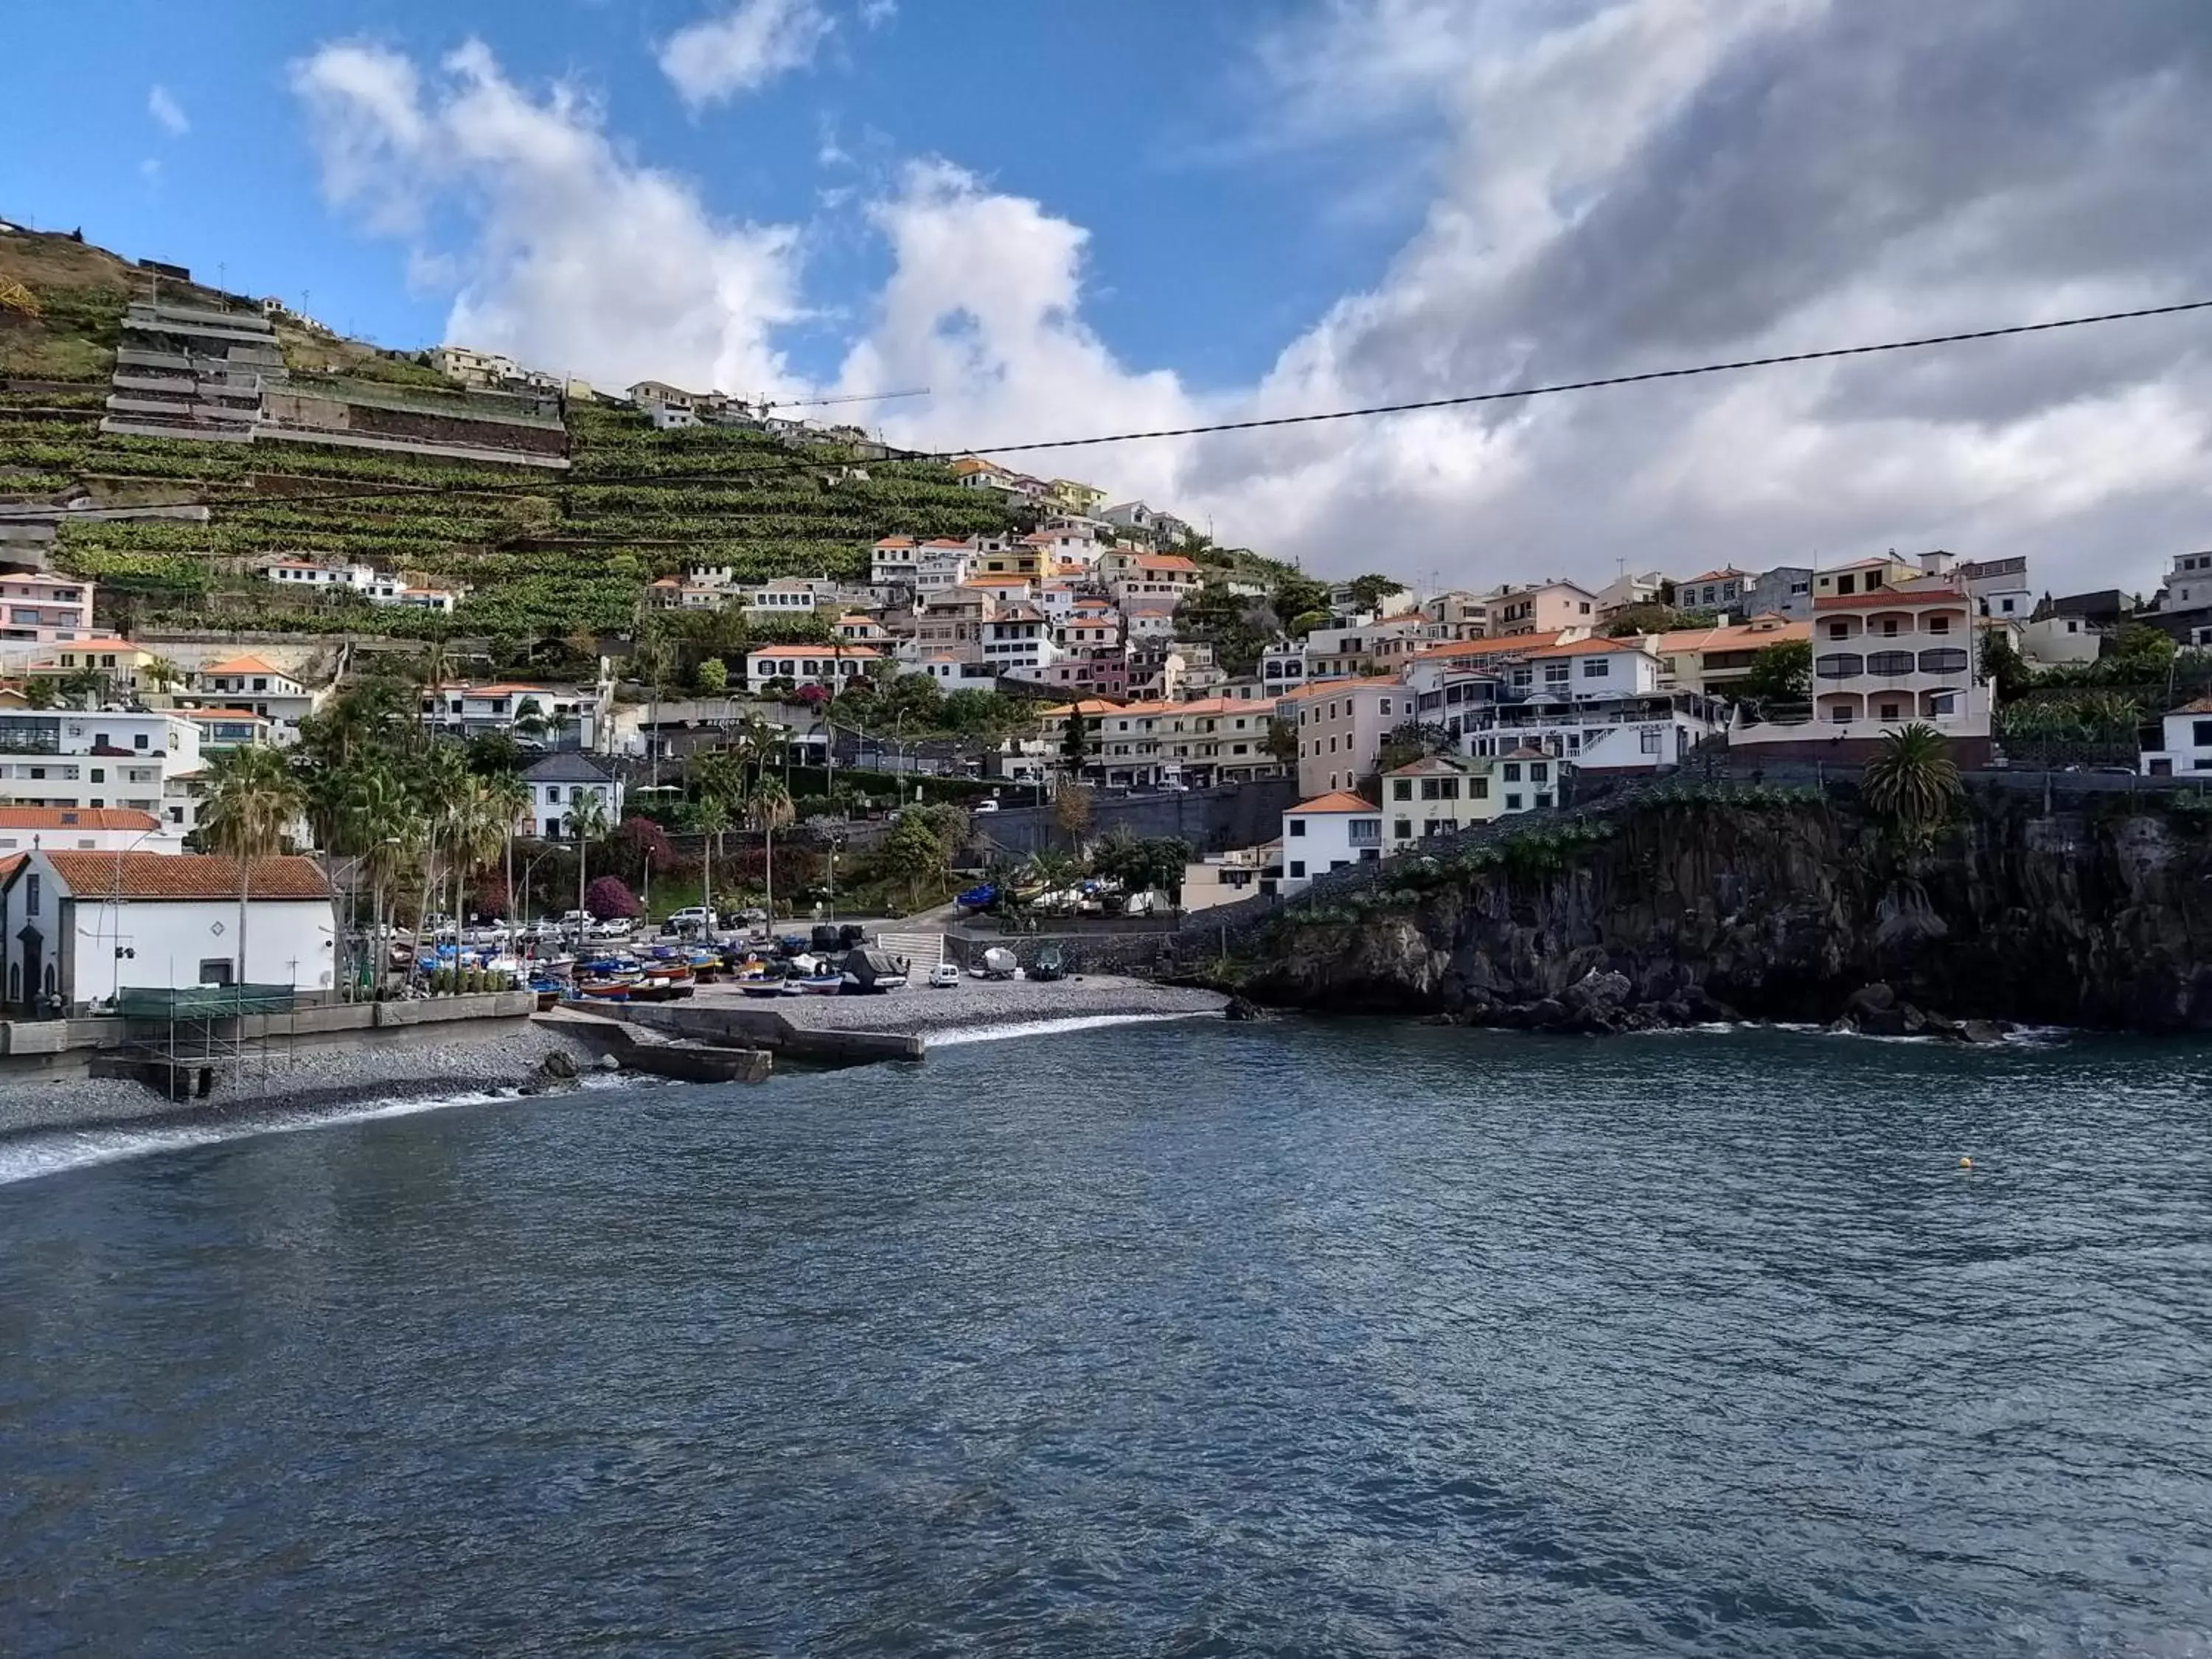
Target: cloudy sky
[[1066, 220]]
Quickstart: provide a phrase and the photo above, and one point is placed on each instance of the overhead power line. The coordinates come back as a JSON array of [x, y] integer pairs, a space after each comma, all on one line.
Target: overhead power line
[[1548, 390], [545, 484]]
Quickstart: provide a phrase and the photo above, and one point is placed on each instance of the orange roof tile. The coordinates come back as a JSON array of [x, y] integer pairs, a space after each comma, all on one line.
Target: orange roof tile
[[1586, 648], [221, 715], [1342, 801], [243, 665], [186, 876], [79, 817]]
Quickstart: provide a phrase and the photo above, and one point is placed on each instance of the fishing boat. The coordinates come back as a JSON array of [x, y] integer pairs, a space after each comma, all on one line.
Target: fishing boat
[[823, 983], [706, 965], [662, 982]]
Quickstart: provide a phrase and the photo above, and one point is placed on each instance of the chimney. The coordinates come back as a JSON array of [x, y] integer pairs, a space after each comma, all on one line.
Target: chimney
[[1723, 620]]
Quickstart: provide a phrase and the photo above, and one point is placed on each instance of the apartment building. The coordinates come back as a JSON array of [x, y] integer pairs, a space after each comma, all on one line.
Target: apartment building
[[1598, 704], [1900, 650], [950, 622], [1341, 727], [1152, 579], [108, 760], [2001, 590], [1785, 591], [43, 610]]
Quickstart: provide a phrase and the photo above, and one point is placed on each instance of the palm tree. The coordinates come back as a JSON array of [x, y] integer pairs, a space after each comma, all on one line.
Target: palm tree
[[252, 797], [481, 827], [444, 780], [1912, 781], [709, 817], [380, 825], [510, 799], [160, 673], [768, 807], [588, 822]]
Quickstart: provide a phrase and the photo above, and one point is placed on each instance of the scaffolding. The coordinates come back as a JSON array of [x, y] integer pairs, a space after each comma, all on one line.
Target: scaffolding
[[192, 1030]]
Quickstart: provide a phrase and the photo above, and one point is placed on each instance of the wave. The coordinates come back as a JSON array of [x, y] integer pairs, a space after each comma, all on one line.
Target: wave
[[40, 1153], [958, 1035]]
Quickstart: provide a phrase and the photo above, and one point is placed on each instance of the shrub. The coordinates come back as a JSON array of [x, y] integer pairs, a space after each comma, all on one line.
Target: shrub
[[610, 897]]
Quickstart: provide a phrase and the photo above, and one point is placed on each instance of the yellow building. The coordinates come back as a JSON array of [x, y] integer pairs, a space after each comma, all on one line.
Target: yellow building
[[1436, 796]]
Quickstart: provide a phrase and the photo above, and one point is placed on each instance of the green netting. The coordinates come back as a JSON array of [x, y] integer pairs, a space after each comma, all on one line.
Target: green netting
[[202, 1001]]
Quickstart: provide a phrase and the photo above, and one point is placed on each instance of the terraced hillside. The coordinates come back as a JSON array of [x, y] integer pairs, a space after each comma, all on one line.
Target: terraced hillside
[[538, 556]]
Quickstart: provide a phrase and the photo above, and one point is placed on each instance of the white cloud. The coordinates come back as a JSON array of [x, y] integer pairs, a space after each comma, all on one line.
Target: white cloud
[[576, 257], [1634, 183], [998, 339], [743, 49], [874, 13], [168, 111], [1616, 185]]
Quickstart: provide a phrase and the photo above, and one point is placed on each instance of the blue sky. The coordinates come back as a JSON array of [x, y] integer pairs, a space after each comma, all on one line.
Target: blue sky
[[1147, 122], [1076, 217]]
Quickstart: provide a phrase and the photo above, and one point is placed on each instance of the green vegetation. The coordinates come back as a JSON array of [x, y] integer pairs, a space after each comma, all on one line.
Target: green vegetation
[[1913, 783], [1779, 673], [538, 556]]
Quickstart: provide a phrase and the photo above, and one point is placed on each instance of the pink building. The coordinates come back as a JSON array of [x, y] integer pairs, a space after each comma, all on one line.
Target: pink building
[[43, 610]]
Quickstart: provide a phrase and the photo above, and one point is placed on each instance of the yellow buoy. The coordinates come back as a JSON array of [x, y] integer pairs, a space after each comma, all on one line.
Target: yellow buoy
[[1965, 1163]]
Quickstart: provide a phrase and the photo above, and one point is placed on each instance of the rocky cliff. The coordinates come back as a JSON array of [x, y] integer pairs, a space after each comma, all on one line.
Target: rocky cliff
[[1675, 910]]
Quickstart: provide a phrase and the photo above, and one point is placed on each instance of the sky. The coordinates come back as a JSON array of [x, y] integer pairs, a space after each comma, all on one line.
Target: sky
[[1067, 219]]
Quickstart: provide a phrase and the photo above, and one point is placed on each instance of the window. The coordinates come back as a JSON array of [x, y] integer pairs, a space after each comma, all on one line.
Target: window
[[1369, 855], [1940, 623], [1478, 788], [215, 970], [1538, 771], [31, 894], [552, 794], [1402, 789], [100, 774], [138, 741], [1847, 585], [1298, 867], [1837, 630], [1543, 800], [1889, 711], [1555, 673], [1840, 714], [1596, 668], [1651, 743], [1513, 771], [2201, 735], [1513, 803], [1402, 829], [1298, 827]]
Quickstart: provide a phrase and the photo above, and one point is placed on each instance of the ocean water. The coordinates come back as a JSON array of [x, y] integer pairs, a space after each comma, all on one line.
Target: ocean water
[[1178, 1338]]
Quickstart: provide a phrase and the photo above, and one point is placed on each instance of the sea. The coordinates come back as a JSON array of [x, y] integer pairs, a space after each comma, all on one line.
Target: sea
[[1309, 1337]]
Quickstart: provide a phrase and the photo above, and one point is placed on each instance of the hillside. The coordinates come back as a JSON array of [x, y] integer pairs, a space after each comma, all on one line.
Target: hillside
[[539, 556]]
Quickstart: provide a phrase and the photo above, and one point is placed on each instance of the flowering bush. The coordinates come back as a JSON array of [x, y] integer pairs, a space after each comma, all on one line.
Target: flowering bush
[[608, 897]]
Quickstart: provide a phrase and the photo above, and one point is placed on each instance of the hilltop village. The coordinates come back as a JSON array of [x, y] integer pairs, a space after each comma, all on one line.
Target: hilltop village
[[441, 635]]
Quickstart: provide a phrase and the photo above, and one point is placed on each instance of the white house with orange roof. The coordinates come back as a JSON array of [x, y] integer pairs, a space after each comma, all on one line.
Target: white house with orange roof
[[892, 562], [85, 829], [131, 760], [440, 599], [1332, 830], [250, 683], [39, 608], [230, 728], [832, 667], [1148, 622], [667, 593], [855, 629], [1340, 727], [1004, 590]]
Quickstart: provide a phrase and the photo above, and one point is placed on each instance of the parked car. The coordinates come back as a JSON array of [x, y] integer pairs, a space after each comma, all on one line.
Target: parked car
[[987, 805], [692, 915], [945, 976]]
